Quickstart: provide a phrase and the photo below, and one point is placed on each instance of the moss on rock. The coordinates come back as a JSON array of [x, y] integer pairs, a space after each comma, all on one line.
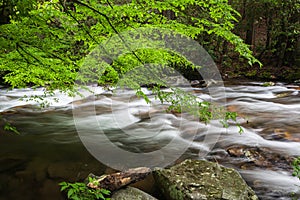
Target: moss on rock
[[199, 179]]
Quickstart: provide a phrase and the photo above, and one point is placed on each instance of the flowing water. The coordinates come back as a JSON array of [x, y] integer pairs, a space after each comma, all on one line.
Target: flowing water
[[49, 150]]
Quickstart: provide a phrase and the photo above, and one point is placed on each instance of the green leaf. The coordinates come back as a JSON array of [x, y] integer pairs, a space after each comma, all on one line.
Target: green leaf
[[104, 191], [70, 193], [99, 196], [9, 127]]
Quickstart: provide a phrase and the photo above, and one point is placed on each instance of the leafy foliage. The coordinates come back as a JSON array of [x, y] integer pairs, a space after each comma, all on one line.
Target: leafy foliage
[[9, 127], [47, 44], [80, 191], [182, 102], [296, 167]]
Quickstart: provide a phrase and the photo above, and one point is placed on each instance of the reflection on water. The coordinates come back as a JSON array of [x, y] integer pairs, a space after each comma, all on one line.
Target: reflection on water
[[49, 150]]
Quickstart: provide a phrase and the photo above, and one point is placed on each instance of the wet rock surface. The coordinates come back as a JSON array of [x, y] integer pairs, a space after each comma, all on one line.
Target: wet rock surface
[[131, 193], [198, 179], [251, 157], [38, 178]]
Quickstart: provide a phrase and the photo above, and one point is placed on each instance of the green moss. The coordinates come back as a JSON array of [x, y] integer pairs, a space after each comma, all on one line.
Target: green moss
[[197, 179]]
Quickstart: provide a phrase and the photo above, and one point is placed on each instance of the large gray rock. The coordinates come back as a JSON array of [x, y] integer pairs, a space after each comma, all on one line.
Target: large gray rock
[[131, 193], [199, 180]]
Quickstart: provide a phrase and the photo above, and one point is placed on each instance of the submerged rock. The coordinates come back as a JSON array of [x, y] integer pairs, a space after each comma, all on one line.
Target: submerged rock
[[253, 157], [12, 163], [71, 171], [199, 179], [131, 193]]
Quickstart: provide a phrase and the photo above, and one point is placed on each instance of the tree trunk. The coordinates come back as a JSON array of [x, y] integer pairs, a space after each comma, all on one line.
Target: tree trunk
[[115, 181], [281, 43], [4, 13], [250, 29], [169, 14], [297, 52]]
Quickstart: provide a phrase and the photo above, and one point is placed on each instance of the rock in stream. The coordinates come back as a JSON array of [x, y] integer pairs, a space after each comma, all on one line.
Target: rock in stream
[[199, 180]]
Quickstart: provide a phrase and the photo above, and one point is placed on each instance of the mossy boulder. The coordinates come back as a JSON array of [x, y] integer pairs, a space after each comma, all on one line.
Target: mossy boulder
[[199, 179]]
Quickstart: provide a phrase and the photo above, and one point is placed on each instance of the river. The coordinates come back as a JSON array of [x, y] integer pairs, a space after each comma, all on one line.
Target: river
[[49, 149]]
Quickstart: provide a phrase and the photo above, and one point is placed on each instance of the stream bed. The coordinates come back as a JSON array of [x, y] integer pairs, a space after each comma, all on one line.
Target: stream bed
[[49, 149]]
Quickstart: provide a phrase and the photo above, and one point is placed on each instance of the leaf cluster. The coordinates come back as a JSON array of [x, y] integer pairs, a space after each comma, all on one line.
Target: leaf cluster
[[296, 167], [80, 191], [48, 45]]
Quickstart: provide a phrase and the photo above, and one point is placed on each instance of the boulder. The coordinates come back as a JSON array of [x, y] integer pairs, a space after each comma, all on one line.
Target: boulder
[[131, 193], [253, 157], [199, 179]]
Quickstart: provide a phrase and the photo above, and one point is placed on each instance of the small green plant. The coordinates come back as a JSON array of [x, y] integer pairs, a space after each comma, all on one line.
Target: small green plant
[[9, 127], [296, 167], [80, 191], [296, 173], [268, 84]]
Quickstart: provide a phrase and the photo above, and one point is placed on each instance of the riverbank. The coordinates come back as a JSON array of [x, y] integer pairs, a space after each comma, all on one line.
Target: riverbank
[[263, 74]]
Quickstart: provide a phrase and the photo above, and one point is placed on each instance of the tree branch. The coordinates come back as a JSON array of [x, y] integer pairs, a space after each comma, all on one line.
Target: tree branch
[[111, 25], [20, 47]]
